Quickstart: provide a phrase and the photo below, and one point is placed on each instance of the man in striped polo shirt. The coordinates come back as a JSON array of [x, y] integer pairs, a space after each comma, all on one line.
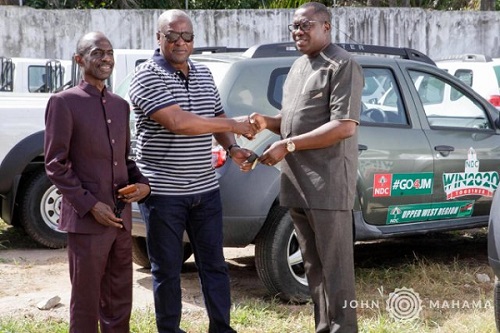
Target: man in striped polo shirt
[[178, 108]]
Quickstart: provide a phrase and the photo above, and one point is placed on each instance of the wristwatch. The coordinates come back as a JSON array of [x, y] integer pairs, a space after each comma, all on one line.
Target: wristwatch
[[231, 146], [290, 146]]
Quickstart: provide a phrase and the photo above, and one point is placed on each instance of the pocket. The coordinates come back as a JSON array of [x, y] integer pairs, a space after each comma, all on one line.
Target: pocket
[[316, 94], [315, 98]]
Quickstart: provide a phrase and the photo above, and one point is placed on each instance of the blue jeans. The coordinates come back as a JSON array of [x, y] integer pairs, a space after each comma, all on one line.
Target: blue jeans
[[167, 217]]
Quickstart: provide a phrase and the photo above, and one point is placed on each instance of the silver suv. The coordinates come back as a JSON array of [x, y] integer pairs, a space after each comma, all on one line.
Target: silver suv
[[429, 159], [429, 156]]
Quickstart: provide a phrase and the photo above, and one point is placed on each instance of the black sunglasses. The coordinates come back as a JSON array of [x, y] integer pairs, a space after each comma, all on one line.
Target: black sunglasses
[[173, 36]]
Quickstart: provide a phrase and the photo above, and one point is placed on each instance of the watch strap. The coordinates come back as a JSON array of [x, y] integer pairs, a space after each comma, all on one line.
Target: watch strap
[[231, 146]]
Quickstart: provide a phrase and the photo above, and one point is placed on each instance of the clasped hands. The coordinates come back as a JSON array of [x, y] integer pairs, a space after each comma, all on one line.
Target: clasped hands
[[249, 126], [245, 158]]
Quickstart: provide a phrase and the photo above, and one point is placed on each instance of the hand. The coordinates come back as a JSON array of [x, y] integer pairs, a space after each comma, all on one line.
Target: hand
[[244, 127], [258, 121], [249, 162], [105, 215], [239, 156], [274, 154], [140, 193]]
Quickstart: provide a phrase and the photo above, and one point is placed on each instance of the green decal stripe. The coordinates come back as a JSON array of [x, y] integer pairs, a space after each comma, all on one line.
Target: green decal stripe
[[429, 211], [412, 184]]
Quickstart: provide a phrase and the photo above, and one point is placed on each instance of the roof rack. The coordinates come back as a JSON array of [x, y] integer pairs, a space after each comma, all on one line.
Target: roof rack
[[403, 52], [288, 49], [217, 49], [471, 57]]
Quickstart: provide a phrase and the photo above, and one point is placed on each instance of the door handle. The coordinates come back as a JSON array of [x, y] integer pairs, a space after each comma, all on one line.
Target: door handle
[[444, 150], [362, 147]]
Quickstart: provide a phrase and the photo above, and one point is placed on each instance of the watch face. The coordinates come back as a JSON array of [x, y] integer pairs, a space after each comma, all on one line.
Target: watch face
[[290, 146]]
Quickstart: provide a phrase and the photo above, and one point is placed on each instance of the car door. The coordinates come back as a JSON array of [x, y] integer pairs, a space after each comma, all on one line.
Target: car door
[[466, 148], [395, 160]]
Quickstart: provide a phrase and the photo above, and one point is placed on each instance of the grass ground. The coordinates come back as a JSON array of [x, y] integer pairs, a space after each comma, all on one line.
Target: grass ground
[[427, 284]]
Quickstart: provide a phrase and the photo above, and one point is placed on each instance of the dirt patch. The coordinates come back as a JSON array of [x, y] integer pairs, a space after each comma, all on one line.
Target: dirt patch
[[32, 274], [29, 276]]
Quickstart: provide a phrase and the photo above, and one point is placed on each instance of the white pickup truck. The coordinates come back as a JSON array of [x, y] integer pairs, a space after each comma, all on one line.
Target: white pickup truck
[[32, 75], [27, 197]]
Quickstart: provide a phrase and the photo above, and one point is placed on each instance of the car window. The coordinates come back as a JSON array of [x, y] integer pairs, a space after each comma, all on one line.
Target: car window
[[446, 105], [465, 75], [139, 61], [275, 89], [36, 79], [382, 103]]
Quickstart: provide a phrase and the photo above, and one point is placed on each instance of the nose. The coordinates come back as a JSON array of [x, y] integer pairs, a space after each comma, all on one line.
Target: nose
[[180, 41], [107, 57], [298, 31]]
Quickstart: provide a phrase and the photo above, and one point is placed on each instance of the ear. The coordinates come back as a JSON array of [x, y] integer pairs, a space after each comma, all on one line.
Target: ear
[[158, 37], [78, 59], [328, 26]]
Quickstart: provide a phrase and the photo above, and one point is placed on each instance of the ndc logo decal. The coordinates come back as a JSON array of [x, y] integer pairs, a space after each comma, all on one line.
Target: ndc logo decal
[[401, 184], [470, 182]]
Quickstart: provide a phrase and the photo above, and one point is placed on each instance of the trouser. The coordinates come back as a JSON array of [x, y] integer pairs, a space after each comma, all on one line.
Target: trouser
[[167, 217], [100, 268], [326, 242]]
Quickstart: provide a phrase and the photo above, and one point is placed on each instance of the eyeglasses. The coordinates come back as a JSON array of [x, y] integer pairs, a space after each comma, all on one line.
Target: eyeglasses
[[173, 36], [305, 25]]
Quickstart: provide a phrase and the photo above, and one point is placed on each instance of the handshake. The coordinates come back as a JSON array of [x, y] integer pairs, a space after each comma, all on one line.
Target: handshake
[[249, 126]]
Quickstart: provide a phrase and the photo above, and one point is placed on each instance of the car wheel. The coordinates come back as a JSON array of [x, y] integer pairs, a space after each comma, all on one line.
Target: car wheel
[[278, 259], [140, 252], [496, 302], [40, 211]]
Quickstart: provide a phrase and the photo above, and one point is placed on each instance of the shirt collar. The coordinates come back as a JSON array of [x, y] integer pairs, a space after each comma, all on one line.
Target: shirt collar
[[92, 90], [159, 59]]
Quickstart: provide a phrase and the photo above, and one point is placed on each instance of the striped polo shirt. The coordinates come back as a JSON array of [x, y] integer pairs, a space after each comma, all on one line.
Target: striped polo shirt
[[175, 164]]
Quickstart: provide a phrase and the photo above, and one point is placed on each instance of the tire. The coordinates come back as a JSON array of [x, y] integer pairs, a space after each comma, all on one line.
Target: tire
[[278, 259], [40, 211], [140, 252], [496, 302]]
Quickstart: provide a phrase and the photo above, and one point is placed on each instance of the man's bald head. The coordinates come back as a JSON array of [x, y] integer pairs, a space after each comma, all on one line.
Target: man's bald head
[[170, 16], [87, 41]]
